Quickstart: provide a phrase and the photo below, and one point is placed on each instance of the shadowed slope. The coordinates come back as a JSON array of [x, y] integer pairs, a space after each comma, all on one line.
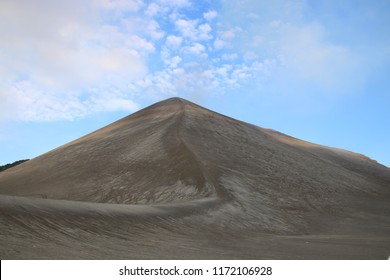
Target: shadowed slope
[[200, 176]]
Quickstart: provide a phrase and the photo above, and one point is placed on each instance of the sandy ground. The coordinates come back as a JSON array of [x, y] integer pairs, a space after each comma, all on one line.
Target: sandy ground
[[177, 181]]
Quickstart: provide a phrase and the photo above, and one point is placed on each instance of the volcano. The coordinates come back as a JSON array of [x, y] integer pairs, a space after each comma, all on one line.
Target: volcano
[[178, 181]]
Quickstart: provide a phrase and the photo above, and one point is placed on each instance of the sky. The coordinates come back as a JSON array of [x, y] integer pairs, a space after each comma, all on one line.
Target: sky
[[315, 70]]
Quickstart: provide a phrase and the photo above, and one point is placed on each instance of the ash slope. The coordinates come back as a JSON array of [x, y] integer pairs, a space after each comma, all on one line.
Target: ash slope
[[175, 180]]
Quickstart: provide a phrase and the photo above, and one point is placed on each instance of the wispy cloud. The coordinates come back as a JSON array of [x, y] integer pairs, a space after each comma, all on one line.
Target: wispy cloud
[[300, 46], [210, 15], [66, 60], [62, 60]]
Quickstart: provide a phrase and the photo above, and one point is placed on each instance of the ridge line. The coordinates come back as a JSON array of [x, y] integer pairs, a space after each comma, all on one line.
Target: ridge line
[[221, 192]]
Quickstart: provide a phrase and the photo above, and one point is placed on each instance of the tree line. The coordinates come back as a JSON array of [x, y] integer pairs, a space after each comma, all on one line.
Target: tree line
[[9, 165]]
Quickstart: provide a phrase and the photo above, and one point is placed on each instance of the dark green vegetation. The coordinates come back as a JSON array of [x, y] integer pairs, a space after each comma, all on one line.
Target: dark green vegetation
[[9, 165]]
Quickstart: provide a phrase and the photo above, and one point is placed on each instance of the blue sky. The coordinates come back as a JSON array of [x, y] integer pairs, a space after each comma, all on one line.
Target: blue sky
[[316, 70]]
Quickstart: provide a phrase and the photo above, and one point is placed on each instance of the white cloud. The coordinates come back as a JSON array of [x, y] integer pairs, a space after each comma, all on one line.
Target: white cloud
[[224, 70], [219, 44], [175, 3], [204, 31], [114, 104], [225, 37], [193, 77], [196, 49], [186, 68], [153, 9], [303, 54], [174, 41], [210, 15], [121, 5], [187, 28], [191, 30], [154, 30], [140, 44], [121, 60], [59, 57], [250, 55], [137, 25], [103, 54], [37, 105], [230, 33], [174, 62]]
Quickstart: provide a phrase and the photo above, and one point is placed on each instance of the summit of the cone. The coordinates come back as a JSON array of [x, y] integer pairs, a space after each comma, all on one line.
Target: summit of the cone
[[167, 107], [174, 101]]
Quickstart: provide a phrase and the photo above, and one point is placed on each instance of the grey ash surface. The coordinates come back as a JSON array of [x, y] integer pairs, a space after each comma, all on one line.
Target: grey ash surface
[[177, 181]]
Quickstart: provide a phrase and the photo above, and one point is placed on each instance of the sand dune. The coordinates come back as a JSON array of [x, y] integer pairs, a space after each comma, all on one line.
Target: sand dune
[[178, 181]]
